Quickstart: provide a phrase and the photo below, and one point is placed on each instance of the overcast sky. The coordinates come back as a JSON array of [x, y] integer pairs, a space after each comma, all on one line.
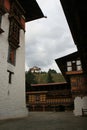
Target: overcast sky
[[48, 38]]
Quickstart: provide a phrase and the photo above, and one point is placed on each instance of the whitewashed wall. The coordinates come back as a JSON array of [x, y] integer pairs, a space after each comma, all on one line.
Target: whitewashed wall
[[12, 96], [79, 104]]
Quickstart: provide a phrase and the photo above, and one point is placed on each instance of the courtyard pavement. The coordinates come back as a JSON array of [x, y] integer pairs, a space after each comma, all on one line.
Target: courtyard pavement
[[46, 121]]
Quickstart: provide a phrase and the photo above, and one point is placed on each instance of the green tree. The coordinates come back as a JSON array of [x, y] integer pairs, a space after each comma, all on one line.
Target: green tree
[[30, 78], [52, 71], [49, 77]]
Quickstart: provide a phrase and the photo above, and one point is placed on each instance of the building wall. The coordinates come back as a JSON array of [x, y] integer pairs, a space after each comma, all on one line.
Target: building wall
[[79, 104], [40, 101], [34, 98], [12, 96], [79, 92], [78, 85]]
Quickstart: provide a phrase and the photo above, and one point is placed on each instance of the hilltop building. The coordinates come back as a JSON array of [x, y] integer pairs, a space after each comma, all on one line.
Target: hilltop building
[[13, 15], [35, 69]]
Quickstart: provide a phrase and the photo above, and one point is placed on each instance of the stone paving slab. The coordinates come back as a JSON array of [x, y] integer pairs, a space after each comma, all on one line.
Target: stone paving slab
[[46, 121]]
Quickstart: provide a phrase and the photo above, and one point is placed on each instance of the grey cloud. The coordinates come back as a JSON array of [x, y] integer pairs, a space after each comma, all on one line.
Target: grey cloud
[[48, 39]]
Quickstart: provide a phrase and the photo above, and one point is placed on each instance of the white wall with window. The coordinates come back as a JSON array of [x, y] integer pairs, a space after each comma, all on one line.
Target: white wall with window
[[74, 65], [12, 78]]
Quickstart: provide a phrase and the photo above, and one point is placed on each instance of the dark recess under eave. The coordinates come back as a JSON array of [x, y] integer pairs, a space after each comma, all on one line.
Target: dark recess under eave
[[32, 10], [76, 15]]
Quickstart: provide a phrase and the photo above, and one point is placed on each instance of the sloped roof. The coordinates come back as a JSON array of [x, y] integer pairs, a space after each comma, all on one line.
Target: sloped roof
[[32, 9], [61, 62], [49, 84], [76, 13]]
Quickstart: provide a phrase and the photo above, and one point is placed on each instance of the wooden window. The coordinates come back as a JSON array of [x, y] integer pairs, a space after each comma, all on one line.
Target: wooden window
[[15, 17], [37, 98], [11, 55], [42, 98], [31, 98], [69, 66], [69, 63], [74, 65], [79, 67], [14, 32], [78, 63]]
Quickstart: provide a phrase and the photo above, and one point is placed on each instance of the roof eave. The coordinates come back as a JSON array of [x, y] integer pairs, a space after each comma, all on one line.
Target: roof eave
[[32, 10]]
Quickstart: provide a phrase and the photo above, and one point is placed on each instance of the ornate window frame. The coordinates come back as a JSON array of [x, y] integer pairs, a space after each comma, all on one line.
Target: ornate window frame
[[16, 23], [74, 65], [14, 33]]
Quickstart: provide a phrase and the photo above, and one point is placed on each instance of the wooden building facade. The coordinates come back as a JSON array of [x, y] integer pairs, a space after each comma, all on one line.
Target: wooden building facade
[[71, 68], [75, 12], [49, 97]]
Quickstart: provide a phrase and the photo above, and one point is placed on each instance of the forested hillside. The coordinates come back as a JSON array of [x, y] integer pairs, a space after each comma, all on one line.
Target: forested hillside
[[44, 77]]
